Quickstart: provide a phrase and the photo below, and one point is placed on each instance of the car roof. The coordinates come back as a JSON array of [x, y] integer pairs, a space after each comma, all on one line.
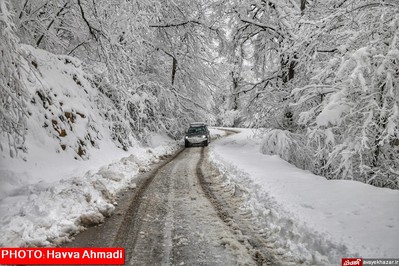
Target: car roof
[[197, 124]]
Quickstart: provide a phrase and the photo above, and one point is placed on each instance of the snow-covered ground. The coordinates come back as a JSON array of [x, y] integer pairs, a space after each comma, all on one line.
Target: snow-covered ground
[[313, 216], [71, 167], [67, 195], [51, 196]]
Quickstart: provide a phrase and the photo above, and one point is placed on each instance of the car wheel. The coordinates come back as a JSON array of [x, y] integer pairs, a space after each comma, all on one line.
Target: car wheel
[[206, 143], [187, 144]]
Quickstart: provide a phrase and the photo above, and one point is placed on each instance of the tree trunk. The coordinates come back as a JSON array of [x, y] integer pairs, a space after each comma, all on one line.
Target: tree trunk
[[174, 67], [303, 5]]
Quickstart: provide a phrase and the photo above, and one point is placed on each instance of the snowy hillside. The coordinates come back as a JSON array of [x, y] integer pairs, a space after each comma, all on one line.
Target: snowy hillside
[[72, 127], [68, 119]]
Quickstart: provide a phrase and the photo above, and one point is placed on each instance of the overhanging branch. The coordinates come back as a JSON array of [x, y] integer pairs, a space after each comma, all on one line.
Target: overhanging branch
[[260, 25], [182, 23], [91, 28]]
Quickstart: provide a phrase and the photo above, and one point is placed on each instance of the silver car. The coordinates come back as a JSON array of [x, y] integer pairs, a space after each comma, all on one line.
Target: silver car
[[197, 134]]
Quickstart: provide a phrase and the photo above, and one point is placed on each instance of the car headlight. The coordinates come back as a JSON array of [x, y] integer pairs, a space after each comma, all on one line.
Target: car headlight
[[203, 136], [186, 137]]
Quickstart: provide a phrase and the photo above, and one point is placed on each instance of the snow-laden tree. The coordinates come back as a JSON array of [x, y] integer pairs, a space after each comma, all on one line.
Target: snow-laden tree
[[190, 36], [162, 58], [12, 113], [44, 23], [324, 74], [156, 60], [261, 37], [350, 105]]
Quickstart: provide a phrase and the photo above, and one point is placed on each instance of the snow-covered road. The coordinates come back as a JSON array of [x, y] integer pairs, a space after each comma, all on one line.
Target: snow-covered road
[[175, 224], [171, 221], [224, 204]]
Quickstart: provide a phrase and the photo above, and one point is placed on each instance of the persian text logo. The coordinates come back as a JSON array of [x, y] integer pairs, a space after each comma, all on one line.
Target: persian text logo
[[352, 261]]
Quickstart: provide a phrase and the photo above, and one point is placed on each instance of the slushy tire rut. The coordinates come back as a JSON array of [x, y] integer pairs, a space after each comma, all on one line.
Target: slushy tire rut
[[182, 213]]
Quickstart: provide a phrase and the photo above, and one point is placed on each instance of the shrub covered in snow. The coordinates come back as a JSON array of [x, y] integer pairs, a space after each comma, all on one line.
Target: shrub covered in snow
[[288, 146]]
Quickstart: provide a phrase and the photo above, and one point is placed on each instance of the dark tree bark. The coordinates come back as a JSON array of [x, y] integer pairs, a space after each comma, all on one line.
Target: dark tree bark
[[303, 5], [51, 23], [91, 28], [174, 68]]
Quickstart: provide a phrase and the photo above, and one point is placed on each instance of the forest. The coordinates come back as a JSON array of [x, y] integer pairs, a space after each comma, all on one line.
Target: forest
[[320, 79]]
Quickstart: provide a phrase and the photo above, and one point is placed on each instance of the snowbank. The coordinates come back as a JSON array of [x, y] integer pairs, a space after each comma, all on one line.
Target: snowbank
[[315, 219], [48, 213], [71, 167]]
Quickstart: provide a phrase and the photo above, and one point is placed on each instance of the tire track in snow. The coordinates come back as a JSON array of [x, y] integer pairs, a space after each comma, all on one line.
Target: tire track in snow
[[223, 201], [131, 218], [171, 222]]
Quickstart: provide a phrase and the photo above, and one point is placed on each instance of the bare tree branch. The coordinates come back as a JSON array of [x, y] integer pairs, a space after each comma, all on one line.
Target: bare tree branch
[[91, 28], [183, 23], [80, 44], [260, 25], [51, 23]]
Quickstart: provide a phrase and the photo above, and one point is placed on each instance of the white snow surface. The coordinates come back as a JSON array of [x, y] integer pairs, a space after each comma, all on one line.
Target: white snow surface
[[73, 166], [51, 192], [315, 219], [69, 196]]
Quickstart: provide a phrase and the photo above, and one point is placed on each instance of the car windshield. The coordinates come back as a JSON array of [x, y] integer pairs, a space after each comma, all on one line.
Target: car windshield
[[192, 130]]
